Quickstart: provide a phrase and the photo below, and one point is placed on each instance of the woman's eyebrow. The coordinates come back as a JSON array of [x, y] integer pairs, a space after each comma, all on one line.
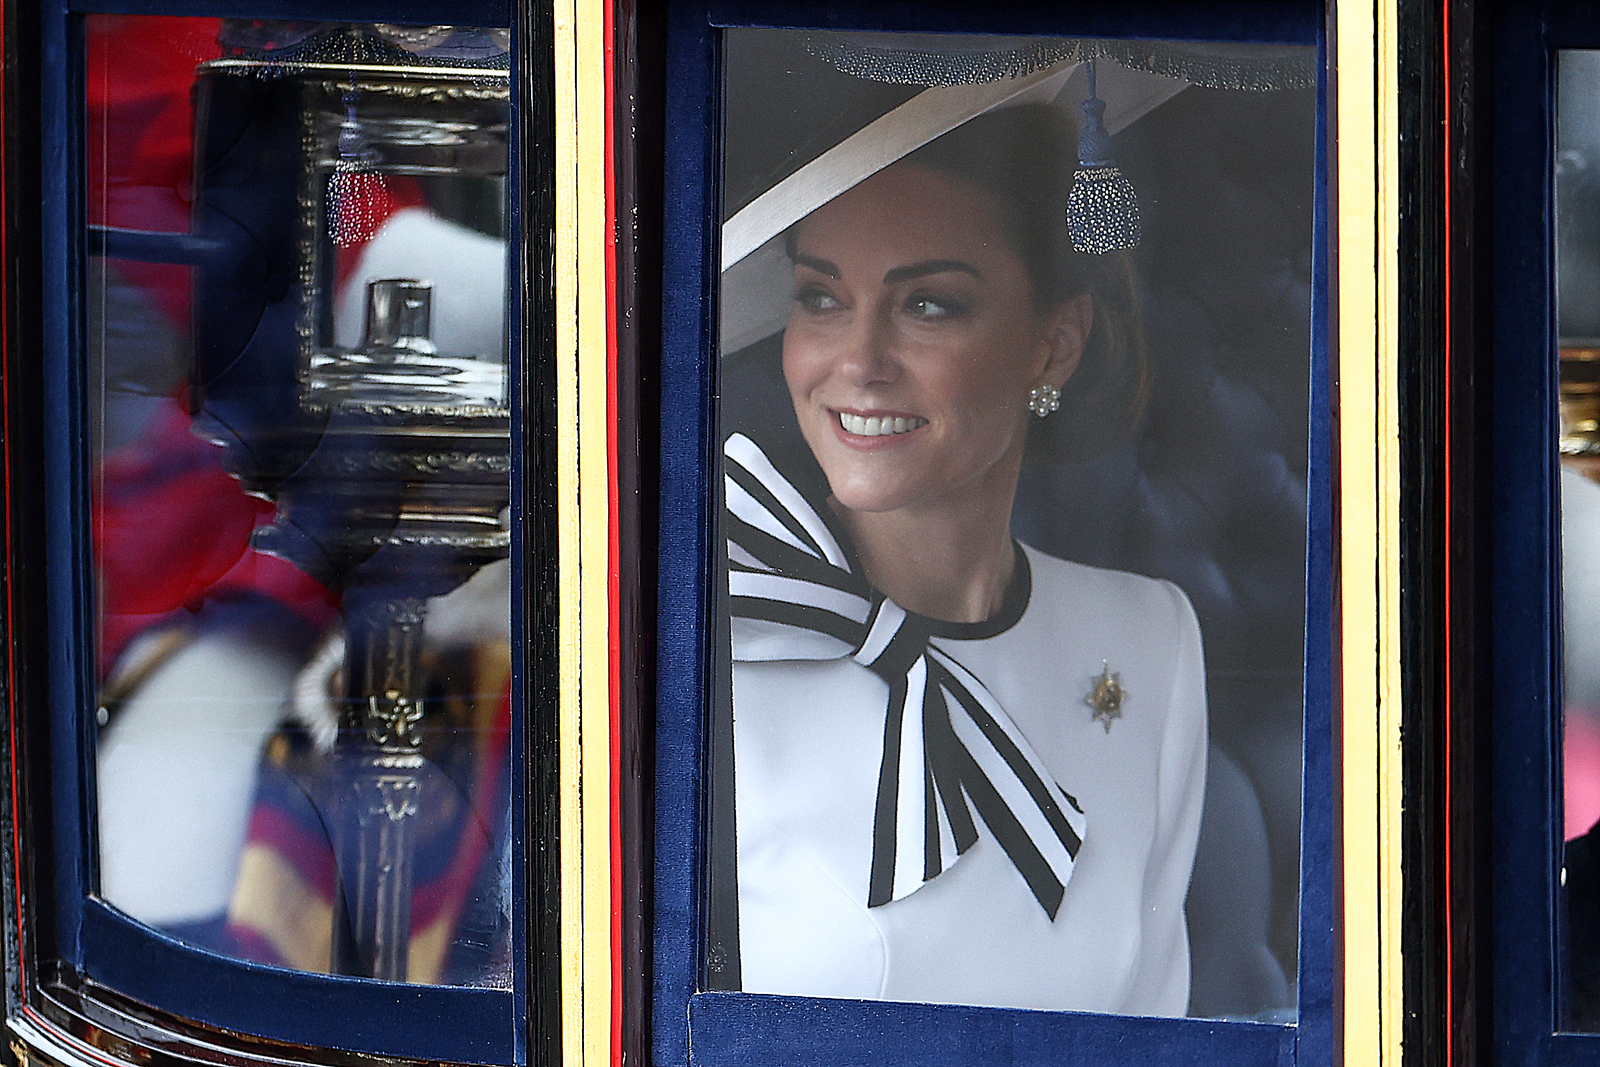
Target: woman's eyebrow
[[821, 266], [931, 266]]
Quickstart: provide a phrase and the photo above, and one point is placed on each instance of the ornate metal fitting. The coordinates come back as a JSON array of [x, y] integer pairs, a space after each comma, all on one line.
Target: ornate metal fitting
[[399, 797], [407, 612], [394, 720]]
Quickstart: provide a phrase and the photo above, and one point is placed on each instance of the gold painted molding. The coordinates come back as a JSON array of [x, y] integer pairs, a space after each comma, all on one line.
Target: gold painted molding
[[1365, 151], [584, 488]]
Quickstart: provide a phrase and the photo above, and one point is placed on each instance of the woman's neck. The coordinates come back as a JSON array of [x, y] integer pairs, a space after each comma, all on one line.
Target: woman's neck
[[955, 565]]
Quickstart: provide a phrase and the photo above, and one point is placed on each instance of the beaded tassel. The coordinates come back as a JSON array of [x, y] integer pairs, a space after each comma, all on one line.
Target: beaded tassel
[[357, 194], [1102, 208]]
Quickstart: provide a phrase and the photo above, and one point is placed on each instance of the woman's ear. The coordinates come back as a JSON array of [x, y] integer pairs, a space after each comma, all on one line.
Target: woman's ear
[[1068, 327]]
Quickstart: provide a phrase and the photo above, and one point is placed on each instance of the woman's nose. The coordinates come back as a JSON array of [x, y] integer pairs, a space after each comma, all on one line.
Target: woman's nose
[[869, 355]]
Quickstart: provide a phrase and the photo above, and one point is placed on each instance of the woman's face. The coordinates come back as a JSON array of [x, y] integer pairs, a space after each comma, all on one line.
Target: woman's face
[[914, 342]]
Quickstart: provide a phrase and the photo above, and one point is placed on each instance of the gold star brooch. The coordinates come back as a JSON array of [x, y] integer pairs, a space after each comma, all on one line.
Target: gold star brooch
[[1106, 696]]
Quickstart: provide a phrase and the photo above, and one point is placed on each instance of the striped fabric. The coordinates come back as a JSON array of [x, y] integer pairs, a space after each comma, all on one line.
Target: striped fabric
[[282, 911], [950, 752]]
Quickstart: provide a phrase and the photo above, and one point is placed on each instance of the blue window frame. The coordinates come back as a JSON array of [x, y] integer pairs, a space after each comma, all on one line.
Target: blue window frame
[[692, 1022], [1518, 520], [76, 949]]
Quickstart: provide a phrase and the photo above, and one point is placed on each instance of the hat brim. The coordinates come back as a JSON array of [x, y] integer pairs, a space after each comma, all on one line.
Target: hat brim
[[755, 269]]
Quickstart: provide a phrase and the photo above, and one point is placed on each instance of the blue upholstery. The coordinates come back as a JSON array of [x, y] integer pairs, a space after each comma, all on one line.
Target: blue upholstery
[[1210, 491]]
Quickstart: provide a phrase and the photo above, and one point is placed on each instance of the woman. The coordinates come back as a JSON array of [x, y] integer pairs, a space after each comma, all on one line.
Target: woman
[[965, 772]]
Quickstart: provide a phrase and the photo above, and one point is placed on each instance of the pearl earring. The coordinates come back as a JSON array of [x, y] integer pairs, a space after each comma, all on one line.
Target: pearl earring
[[1043, 399]]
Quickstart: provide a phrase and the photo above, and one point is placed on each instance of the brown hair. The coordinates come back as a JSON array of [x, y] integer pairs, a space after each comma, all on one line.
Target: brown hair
[[1025, 158]]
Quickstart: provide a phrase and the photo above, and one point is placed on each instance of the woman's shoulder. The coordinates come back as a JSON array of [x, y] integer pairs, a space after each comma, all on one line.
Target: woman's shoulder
[[1078, 587]]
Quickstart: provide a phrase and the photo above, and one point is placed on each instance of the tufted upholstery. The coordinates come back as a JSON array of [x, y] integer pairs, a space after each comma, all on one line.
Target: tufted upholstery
[[1210, 491]]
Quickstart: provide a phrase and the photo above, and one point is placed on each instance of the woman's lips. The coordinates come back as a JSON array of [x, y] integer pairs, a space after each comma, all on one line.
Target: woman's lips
[[878, 425]]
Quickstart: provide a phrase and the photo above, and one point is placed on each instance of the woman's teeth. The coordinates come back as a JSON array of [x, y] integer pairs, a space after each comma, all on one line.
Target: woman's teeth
[[878, 426]]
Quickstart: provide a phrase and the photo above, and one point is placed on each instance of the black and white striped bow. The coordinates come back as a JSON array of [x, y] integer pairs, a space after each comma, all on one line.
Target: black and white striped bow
[[949, 749]]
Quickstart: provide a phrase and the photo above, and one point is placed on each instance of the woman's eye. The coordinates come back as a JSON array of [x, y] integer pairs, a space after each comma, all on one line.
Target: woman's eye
[[816, 301], [930, 306]]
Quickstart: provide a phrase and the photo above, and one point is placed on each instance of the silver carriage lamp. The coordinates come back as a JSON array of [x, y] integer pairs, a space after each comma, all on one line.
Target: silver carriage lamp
[[351, 355]]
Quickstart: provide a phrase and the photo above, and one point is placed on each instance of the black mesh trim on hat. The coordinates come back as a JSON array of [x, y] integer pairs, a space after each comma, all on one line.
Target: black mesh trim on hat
[[929, 61], [292, 43]]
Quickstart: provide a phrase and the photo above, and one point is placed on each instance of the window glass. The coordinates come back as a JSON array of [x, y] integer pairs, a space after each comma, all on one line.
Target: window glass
[[1577, 185], [1016, 336], [296, 342]]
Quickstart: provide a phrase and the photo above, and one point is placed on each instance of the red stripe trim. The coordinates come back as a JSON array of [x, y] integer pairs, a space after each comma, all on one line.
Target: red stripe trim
[[72, 1041], [614, 549]]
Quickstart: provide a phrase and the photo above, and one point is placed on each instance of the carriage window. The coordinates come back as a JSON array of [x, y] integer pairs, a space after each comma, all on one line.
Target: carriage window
[[1577, 187], [1015, 348], [297, 342]]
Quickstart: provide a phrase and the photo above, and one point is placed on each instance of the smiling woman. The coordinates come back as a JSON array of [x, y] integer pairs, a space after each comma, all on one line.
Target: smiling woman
[[966, 772], [915, 343], [946, 764]]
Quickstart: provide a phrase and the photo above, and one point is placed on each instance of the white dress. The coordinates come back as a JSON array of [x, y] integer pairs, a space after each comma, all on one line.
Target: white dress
[[808, 739]]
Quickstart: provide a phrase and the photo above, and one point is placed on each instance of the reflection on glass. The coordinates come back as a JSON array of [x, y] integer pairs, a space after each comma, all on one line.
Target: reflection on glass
[[1577, 183], [296, 324], [954, 766]]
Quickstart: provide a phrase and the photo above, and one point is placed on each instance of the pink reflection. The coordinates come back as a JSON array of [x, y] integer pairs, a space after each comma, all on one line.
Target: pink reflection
[[1581, 754]]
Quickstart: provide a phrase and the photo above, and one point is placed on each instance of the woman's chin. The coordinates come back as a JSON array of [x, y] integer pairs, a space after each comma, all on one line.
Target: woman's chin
[[868, 496]]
